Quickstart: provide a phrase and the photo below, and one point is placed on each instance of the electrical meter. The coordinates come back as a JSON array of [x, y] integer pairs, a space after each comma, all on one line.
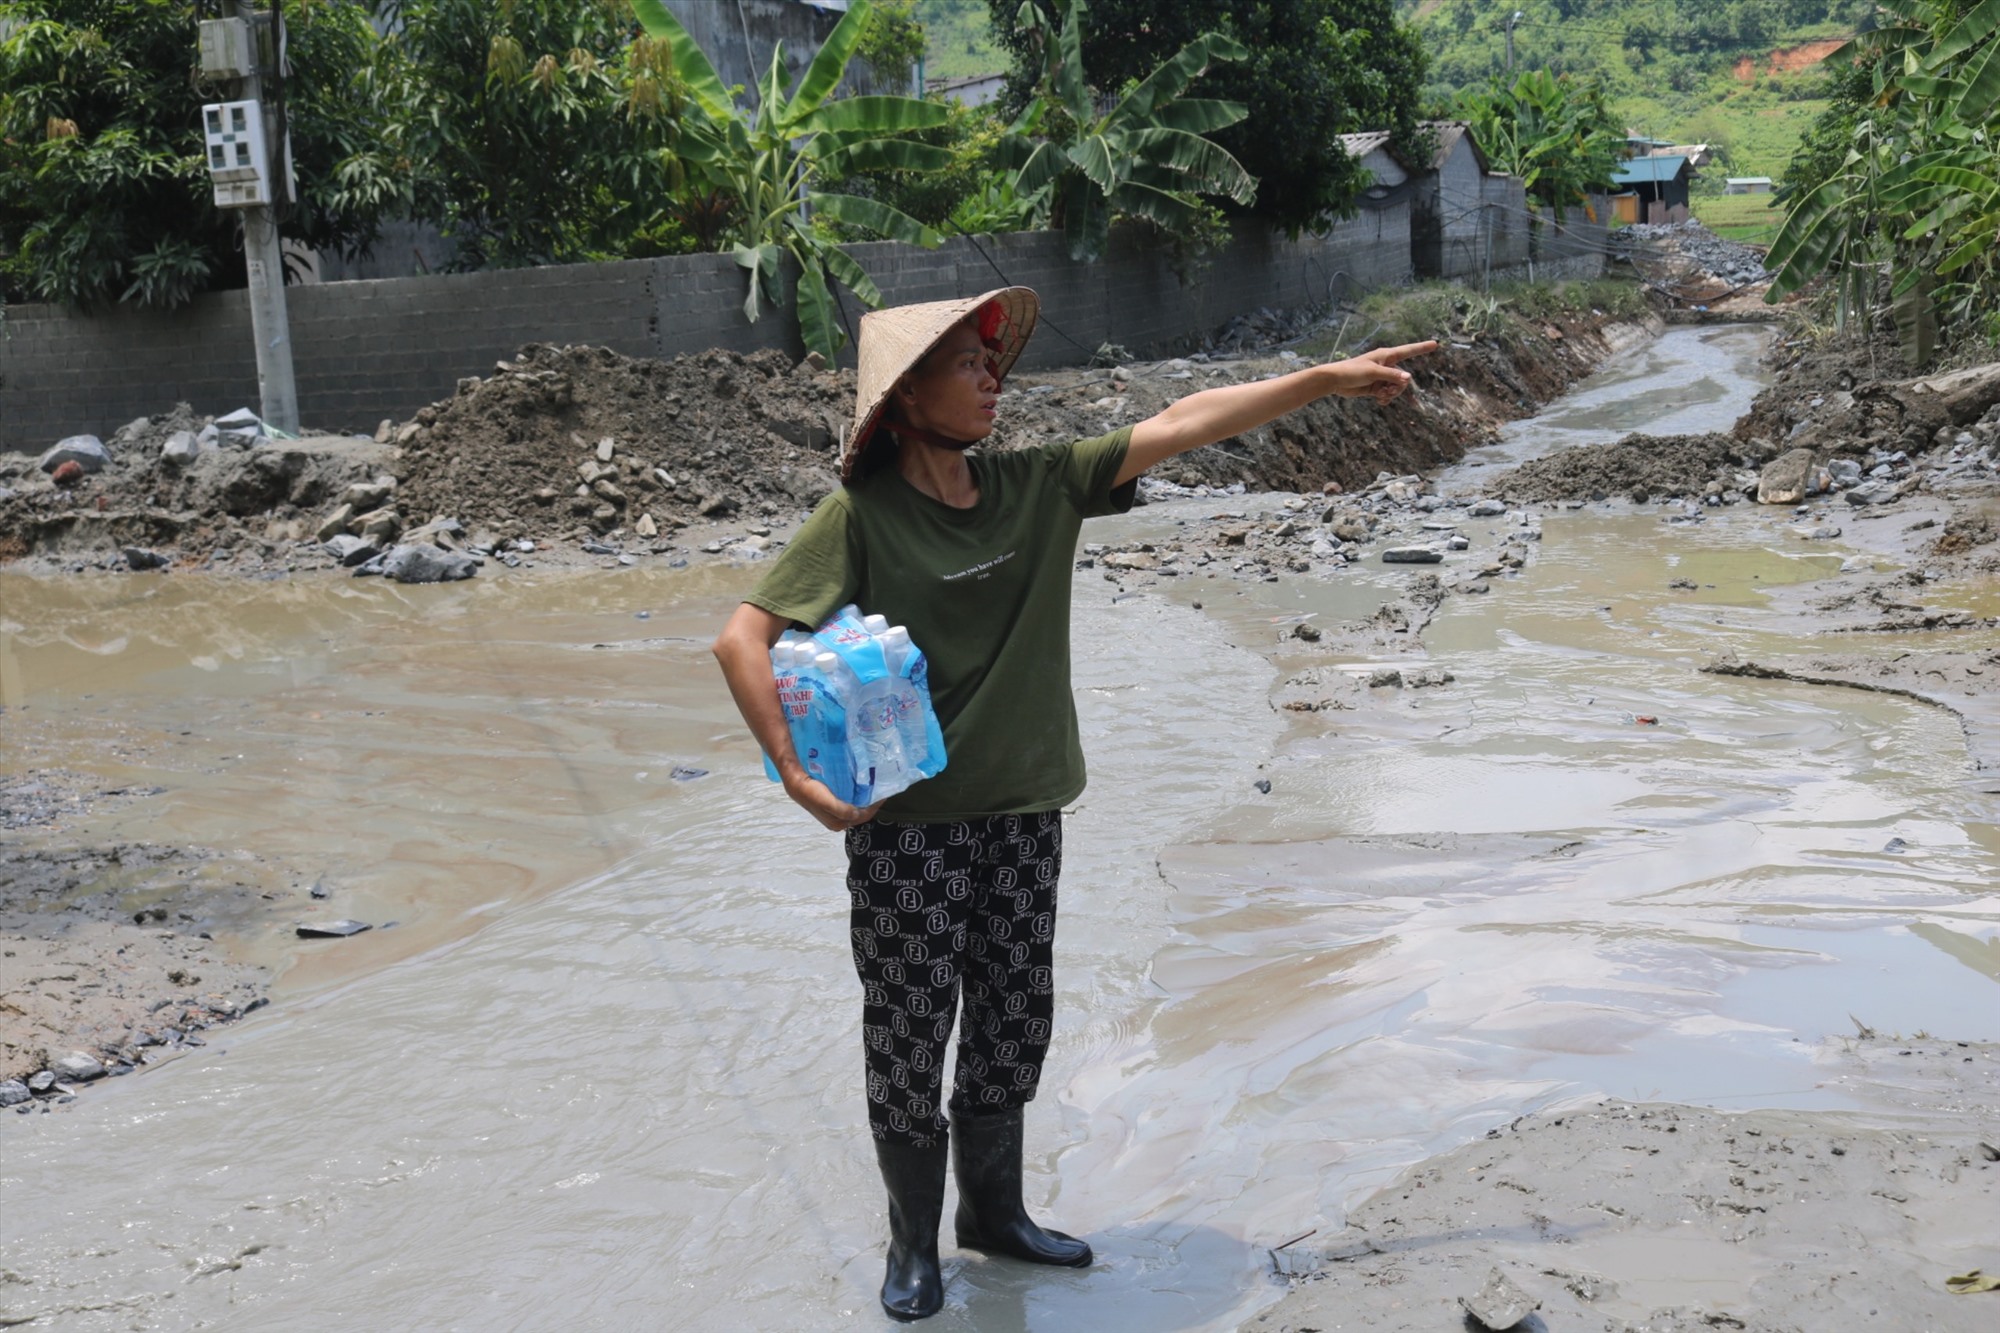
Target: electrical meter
[[234, 132]]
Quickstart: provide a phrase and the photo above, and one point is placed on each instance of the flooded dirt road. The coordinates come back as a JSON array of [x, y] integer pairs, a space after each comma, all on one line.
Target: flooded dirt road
[[603, 1071]]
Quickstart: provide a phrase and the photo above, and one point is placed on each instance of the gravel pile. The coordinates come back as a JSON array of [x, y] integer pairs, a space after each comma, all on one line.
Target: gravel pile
[[1737, 265]]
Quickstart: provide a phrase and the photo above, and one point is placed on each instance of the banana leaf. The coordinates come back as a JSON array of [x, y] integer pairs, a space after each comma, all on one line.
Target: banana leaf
[[1092, 157], [1156, 205], [885, 155], [703, 84], [1199, 115], [1966, 34], [1208, 166], [816, 327], [879, 217], [822, 76], [762, 261], [1068, 80], [852, 276], [1086, 220], [1959, 178], [1982, 88], [1044, 165], [873, 116], [1171, 79], [1915, 314]]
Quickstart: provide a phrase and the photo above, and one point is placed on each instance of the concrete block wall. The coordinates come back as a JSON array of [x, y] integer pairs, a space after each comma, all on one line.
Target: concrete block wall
[[367, 350], [1505, 200]]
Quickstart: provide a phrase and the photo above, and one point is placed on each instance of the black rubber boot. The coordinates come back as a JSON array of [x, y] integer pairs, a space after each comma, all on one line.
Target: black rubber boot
[[986, 1158], [912, 1286]]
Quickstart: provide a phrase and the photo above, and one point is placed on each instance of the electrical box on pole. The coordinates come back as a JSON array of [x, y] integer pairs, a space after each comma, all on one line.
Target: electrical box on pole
[[227, 51], [237, 163], [246, 152]]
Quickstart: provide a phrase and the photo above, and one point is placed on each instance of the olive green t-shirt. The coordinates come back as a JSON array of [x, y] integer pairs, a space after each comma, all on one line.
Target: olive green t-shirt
[[985, 594]]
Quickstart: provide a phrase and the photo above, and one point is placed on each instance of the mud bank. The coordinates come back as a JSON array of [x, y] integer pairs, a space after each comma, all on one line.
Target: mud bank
[[1641, 1218], [573, 455]]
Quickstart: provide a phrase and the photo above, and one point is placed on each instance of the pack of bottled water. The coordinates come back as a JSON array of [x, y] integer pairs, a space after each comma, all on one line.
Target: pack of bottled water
[[856, 694]]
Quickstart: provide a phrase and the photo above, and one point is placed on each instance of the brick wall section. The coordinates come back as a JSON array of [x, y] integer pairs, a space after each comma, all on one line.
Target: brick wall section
[[363, 351]]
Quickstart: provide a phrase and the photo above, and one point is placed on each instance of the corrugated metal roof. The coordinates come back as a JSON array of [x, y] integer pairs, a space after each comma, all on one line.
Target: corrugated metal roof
[[1648, 170], [1361, 145]]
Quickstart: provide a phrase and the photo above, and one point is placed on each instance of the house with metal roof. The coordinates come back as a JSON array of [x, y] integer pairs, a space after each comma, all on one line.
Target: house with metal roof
[[1655, 187]]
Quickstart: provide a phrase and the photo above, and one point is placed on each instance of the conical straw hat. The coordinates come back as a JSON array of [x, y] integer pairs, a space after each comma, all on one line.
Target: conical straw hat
[[894, 340]]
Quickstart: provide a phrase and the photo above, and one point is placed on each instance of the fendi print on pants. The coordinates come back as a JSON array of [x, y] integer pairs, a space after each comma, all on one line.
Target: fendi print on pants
[[940, 911]]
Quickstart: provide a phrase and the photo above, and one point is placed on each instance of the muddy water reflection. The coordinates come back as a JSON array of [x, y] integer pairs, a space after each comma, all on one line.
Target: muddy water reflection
[[631, 1095]]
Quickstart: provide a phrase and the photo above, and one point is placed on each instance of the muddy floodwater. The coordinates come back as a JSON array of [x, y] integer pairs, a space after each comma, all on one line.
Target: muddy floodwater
[[603, 1071]]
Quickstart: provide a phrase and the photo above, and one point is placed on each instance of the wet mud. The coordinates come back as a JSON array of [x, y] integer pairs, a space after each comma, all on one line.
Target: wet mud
[[1492, 843], [1639, 1218]]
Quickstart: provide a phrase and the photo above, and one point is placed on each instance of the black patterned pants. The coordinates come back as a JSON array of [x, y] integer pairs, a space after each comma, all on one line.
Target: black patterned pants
[[942, 913]]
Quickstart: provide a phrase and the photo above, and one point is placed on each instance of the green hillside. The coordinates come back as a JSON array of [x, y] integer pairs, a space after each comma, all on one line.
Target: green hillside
[[1739, 74], [958, 38]]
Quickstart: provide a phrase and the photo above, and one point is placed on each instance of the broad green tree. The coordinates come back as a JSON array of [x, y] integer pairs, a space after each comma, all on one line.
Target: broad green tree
[[104, 188], [1553, 131], [527, 131], [1146, 156], [1311, 70], [765, 167]]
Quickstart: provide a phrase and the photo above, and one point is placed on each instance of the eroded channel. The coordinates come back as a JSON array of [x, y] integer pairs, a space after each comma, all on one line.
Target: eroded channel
[[604, 1068]]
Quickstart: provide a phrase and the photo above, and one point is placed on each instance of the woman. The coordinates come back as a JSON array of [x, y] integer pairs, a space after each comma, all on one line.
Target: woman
[[953, 883]]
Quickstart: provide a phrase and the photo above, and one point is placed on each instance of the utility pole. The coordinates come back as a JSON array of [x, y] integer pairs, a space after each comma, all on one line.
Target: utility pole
[[248, 166], [1512, 19]]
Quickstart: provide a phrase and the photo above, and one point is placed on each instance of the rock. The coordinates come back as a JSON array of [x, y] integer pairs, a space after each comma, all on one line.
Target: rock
[[1824, 532], [385, 430], [336, 523], [445, 532], [1430, 676], [41, 1082], [1786, 479], [1456, 543], [716, 506], [363, 496], [331, 930], [1844, 471], [1385, 678], [206, 439], [1412, 555], [1499, 1304], [1486, 509], [1870, 493], [427, 564], [13, 1092], [1309, 633], [67, 473], [139, 558], [76, 1067], [607, 491], [606, 447], [646, 527], [350, 550], [86, 451], [180, 449], [1263, 785], [382, 524], [1135, 560]]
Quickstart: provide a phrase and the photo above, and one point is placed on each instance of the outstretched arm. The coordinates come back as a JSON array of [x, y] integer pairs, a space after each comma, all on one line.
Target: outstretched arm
[[1216, 414]]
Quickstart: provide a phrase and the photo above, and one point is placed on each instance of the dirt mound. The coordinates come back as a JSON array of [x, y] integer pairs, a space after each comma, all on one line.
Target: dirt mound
[[1638, 467], [177, 483], [582, 444], [713, 434]]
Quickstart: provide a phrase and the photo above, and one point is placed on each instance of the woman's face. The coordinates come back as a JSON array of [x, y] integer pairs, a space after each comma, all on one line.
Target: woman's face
[[952, 391]]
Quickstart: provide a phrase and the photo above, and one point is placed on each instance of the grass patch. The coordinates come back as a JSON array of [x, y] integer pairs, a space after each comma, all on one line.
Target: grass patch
[[1750, 218]]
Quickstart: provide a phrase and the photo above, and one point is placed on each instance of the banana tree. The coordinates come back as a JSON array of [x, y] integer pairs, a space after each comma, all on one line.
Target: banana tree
[[768, 163], [1145, 156], [1556, 134], [1916, 192]]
